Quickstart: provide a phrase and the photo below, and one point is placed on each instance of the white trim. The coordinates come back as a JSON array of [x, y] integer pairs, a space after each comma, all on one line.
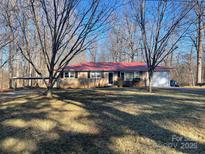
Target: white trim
[[69, 74], [95, 73]]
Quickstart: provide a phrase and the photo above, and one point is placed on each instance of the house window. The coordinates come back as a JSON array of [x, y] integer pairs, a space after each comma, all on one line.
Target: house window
[[129, 76], [76, 74], [118, 74], [136, 74], [102, 75], [122, 76], [69, 74], [95, 75]]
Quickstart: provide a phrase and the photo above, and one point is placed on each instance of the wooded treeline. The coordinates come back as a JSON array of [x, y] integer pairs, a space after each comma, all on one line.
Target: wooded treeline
[[40, 37]]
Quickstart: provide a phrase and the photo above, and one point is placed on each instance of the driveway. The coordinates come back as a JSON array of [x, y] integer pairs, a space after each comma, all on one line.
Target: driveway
[[199, 91]]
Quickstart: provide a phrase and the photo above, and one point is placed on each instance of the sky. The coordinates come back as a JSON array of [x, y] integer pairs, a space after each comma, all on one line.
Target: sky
[[184, 46]]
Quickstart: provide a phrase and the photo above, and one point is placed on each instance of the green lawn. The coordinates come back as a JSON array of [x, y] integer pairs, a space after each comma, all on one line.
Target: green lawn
[[113, 120]]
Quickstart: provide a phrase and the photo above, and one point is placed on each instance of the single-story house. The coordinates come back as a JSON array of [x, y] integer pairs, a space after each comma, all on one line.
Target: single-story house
[[100, 74]]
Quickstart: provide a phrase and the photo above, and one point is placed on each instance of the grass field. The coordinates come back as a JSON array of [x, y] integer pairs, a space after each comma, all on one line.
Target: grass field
[[113, 120]]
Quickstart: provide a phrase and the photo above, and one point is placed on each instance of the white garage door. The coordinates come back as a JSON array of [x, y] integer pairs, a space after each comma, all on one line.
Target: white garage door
[[161, 79]]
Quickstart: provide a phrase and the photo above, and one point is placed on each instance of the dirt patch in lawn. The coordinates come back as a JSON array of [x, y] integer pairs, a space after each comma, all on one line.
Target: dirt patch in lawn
[[113, 120]]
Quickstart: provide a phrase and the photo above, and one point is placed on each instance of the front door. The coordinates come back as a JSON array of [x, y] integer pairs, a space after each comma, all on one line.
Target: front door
[[122, 76], [110, 78]]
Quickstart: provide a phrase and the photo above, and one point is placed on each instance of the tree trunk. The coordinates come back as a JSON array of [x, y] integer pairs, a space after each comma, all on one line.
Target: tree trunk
[[49, 92], [171, 59], [1, 71], [200, 50], [150, 75], [191, 67], [30, 75], [10, 62], [10, 69]]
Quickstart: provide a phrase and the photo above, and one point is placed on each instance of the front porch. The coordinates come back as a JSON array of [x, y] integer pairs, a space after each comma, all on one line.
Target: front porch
[[90, 79]]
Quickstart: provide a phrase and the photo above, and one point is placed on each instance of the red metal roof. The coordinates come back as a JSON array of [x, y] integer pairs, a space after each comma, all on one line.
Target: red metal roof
[[113, 66]]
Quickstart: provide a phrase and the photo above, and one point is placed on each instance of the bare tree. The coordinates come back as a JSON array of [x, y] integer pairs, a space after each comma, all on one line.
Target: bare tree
[[116, 49], [4, 60], [162, 27], [116, 43], [130, 35], [124, 39], [199, 11], [5, 37], [190, 65], [7, 9], [64, 29], [93, 52]]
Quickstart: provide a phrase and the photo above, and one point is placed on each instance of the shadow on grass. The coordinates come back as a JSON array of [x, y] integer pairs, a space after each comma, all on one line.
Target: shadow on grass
[[109, 120]]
